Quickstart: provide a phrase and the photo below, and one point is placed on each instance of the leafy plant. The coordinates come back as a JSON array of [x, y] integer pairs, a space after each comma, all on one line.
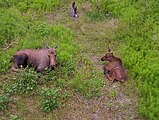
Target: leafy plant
[[12, 25], [49, 99], [24, 82], [45, 5], [51, 75], [3, 102], [14, 117]]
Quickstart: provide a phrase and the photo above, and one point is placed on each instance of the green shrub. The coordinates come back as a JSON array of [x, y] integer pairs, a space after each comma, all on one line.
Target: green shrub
[[43, 30], [22, 6], [49, 99], [4, 61], [63, 34], [24, 82], [64, 57], [3, 102], [51, 75], [8, 3], [12, 25], [15, 117], [48, 5]]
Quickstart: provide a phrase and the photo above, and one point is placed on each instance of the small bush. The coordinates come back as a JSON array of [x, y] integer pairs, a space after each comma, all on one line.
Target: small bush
[[49, 99], [5, 61], [24, 82], [12, 25], [63, 34], [22, 6], [14, 117], [43, 30], [64, 57], [51, 75], [8, 3], [3, 102]]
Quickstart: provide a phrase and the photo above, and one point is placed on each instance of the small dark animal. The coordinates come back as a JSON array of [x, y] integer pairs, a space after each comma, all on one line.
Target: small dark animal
[[39, 59], [114, 69], [74, 10]]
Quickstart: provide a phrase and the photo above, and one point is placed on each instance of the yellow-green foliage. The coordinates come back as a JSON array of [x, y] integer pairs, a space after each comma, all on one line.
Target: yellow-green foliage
[[24, 5], [49, 99], [12, 25], [24, 82]]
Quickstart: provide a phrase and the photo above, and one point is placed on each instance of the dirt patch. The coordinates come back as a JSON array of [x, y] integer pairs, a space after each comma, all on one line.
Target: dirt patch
[[113, 23], [96, 60]]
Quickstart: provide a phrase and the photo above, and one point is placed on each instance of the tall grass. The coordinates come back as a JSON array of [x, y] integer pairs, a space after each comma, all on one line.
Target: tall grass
[[25, 5], [139, 33], [12, 25]]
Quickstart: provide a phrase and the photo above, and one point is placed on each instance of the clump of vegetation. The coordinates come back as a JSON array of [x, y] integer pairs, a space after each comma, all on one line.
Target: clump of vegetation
[[3, 102], [89, 87], [49, 99], [99, 12], [12, 25], [24, 82], [25, 5], [15, 117]]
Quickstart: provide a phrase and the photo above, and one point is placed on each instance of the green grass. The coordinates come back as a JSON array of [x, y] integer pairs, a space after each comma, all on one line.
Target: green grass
[[77, 87], [140, 50]]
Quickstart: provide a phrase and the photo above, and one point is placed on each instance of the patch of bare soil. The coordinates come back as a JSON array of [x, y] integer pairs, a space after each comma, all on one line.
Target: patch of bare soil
[[96, 60], [106, 107]]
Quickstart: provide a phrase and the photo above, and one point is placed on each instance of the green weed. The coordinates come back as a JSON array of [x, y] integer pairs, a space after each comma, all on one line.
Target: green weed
[[89, 87], [24, 82], [49, 99], [3, 102], [14, 117], [12, 25]]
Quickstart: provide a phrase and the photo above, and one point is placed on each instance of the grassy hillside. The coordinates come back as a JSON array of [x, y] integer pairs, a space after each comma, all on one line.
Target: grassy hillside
[[78, 89], [139, 34]]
